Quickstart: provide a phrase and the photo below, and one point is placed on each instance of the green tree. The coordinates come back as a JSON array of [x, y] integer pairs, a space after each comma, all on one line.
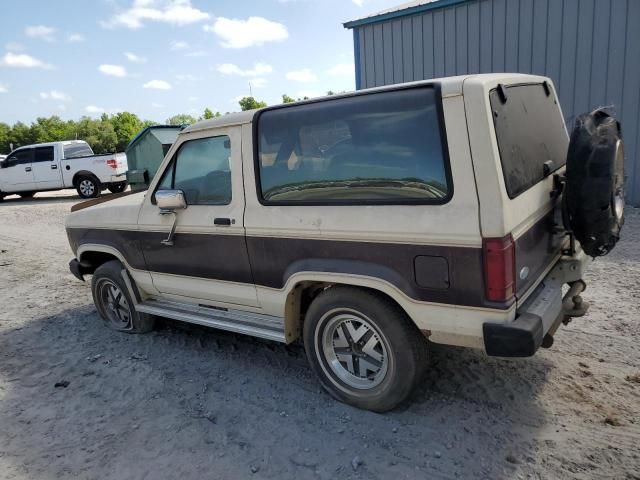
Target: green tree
[[182, 119], [250, 103], [126, 126], [208, 114], [5, 132], [287, 99]]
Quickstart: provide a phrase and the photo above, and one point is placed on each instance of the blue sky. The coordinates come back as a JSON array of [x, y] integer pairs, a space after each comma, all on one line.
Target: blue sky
[[157, 58]]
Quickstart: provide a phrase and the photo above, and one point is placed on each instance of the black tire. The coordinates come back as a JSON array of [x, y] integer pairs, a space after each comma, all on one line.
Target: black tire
[[594, 196], [398, 342], [117, 187], [88, 187], [113, 302], [27, 194]]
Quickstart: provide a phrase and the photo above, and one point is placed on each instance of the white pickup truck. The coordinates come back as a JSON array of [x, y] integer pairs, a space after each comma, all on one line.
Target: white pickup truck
[[59, 165]]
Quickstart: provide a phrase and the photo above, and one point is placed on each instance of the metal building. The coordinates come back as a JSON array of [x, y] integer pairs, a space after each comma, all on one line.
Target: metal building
[[590, 48]]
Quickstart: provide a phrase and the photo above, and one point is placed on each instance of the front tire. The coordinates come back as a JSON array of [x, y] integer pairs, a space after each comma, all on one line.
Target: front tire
[[88, 187], [364, 349], [113, 302]]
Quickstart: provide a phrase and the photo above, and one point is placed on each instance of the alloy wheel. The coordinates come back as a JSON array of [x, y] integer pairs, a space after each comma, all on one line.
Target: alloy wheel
[[355, 351]]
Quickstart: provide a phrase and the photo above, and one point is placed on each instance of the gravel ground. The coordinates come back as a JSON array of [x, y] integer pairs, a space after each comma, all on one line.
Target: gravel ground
[[78, 400]]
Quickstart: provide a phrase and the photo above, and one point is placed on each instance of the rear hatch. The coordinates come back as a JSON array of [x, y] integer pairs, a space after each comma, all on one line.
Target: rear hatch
[[533, 142]]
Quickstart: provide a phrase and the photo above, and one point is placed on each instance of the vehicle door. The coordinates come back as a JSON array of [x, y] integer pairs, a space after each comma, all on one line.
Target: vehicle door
[[46, 171], [17, 176], [208, 258]]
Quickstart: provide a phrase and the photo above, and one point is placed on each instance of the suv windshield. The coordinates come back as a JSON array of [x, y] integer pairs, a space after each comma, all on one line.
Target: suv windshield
[[530, 131], [74, 150]]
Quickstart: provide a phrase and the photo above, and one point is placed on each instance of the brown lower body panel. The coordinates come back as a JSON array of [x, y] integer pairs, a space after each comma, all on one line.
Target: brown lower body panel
[[271, 261]]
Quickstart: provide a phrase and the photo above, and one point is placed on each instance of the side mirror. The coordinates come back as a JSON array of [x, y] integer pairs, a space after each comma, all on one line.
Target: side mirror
[[169, 201]]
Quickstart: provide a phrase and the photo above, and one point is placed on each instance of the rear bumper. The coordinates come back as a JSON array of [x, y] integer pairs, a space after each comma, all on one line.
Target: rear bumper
[[542, 312], [122, 177]]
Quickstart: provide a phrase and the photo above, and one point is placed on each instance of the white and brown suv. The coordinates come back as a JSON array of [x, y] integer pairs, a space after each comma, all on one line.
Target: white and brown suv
[[367, 225]]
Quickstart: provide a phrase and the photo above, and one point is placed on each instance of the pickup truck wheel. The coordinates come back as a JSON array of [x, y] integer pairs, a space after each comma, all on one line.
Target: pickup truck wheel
[[113, 302], [117, 187], [88, 187], [27, 194], [365, 350]]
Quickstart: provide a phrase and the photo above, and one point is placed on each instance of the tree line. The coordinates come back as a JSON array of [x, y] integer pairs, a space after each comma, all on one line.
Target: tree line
[[107, 134]]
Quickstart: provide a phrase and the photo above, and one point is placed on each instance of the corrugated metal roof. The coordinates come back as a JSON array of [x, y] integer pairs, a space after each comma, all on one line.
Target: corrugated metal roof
[[407, 8]]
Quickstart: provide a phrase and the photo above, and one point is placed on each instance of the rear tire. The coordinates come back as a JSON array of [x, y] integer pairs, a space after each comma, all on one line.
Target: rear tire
[[117, 187], [88, 187], [27, 194], [114, 303], [364, 349]]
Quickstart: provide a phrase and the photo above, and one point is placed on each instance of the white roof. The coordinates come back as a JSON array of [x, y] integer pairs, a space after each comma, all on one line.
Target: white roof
[[448, 86]]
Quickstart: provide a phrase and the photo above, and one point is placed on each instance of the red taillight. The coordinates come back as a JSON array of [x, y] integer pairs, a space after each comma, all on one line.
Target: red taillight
[[112, 163], [499, 268]]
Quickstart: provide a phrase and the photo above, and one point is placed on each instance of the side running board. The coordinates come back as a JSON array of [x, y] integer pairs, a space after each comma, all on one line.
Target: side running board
[[247, 323]]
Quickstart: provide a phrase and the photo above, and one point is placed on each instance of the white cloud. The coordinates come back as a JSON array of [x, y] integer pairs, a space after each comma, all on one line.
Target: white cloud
[[247, 33], [42, 32], [132, 57], [55, 95], [258, 82], [75, 38], [193, 99], [179, 45], [3, 88], [358, 2], [305, 75], [113, 70], [94, 109], [258, 69], [158, 85], [14, 47], [174, 12], [197, 53], [341, 69], [157, 105], [22, 60]]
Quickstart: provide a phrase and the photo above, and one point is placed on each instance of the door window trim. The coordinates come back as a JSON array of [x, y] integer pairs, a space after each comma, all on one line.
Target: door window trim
[[428, 201]]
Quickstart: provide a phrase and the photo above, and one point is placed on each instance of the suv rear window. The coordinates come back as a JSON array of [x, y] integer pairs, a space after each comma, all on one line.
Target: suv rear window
[[530, 131], [380, 148]]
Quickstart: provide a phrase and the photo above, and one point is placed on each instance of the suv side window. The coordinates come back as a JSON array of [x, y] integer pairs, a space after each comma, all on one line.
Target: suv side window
[[381, 148], [20, 157], [201, 169], [43, 154]]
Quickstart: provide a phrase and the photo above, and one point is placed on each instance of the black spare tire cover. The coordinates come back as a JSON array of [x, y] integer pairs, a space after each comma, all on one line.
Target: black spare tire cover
[[594, 193]]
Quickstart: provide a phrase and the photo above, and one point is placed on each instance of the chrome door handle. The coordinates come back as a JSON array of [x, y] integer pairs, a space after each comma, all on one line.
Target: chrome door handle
[[54, 167], [27, 169]]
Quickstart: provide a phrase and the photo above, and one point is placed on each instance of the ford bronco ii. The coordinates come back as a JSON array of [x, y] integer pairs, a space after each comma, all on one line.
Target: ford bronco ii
[[367, 225]]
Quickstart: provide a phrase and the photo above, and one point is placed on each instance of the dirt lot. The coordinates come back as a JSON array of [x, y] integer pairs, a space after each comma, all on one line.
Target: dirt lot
[[186, 402]]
